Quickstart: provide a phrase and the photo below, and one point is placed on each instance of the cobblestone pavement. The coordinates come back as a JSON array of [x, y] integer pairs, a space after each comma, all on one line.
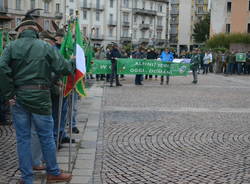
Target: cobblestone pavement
[[179, 134], [8, 155]]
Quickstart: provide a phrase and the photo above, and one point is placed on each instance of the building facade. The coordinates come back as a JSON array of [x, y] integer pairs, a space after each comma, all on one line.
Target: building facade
[[132, 22], [184, 14], [230, 16], [12, 12]]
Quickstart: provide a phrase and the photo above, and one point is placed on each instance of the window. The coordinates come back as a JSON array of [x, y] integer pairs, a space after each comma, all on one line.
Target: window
[[150, 34], [84, 30], [57, 7], [97, 3], [159, 21], [151, 20], [18, 4], [110, 32], [248, 28], [85, 3], [46, 24], [71, 12], [125, 17], [84, 13], [158, 34], [125, 32], [18, 21], [135, 19], [97, 32], [143, 5], [134, 35], [229, 6], [143, 34], [135, 3], [249, 5], [46, 7], [111, 18], [32, 4], [125, 3], [160, 8], [97, 16], [111, 3], [228, 28], [1, 3], [71, 0], [151, 6]]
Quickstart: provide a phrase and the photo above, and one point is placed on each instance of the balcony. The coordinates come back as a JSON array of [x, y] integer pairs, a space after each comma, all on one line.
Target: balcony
[[126, 39], [173, 21], [125, 24], [58, 15], [144, 26], [3, 10], [160, 40], [98, 7], [173, 40], [97, 37], [175, 1], [144, 40], [159, 27], [201, 12], [163, 1], [144, 12], [112, 23], [174, 12], [86, 6]]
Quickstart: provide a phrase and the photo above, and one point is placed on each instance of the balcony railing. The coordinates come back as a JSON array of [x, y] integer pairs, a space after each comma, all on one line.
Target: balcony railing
[[97, 37], [144, 26], [173, 21], [201, 2], [58, 15], [174, 12], [126, 39], [125, 24], [98, 7], [86, 6], [144, 40], [159, 27], [3, 10], [163, 1], [144, 11], [201, 12], [112, 23]]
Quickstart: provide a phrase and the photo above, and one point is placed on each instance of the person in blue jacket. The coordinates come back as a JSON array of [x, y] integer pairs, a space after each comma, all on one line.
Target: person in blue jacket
[[166, 56]]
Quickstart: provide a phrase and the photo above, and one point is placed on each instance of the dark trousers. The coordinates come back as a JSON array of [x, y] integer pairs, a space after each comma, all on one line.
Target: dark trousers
[[2, 111], [195, 75], [138, 79], [162, 79], [114, 73], [205, 68], [230, 68]]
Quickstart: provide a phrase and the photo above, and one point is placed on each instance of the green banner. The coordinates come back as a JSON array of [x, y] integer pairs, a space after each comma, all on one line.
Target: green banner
[[141, 66], [241, 57], [101, 67]]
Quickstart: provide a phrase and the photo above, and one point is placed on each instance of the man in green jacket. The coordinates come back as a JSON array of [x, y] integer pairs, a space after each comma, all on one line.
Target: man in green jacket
[[195, 62], [25, 74]]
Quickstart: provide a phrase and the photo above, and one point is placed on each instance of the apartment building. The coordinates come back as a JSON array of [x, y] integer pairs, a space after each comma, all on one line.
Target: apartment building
[[183, 15], [12, 12], [230, 16], [125, 21]]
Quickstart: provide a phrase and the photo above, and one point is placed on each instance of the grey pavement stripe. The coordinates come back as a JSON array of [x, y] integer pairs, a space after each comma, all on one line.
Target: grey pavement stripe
[[181, 109]]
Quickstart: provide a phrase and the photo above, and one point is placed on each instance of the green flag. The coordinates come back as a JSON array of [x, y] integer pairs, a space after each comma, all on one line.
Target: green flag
[[67, 50], [1, 42]]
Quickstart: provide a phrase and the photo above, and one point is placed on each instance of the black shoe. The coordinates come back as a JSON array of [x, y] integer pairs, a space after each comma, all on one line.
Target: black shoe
[[75, 130], [111, 85], [67, 140], [140, 84], [119, 84], [194, 82]]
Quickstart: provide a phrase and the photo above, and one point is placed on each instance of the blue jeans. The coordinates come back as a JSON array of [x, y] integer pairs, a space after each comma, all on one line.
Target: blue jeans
[[43, 124], [37, 155]]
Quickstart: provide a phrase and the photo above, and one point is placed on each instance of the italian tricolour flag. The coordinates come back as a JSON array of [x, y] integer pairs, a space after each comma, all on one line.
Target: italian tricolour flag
[[80, 62]]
